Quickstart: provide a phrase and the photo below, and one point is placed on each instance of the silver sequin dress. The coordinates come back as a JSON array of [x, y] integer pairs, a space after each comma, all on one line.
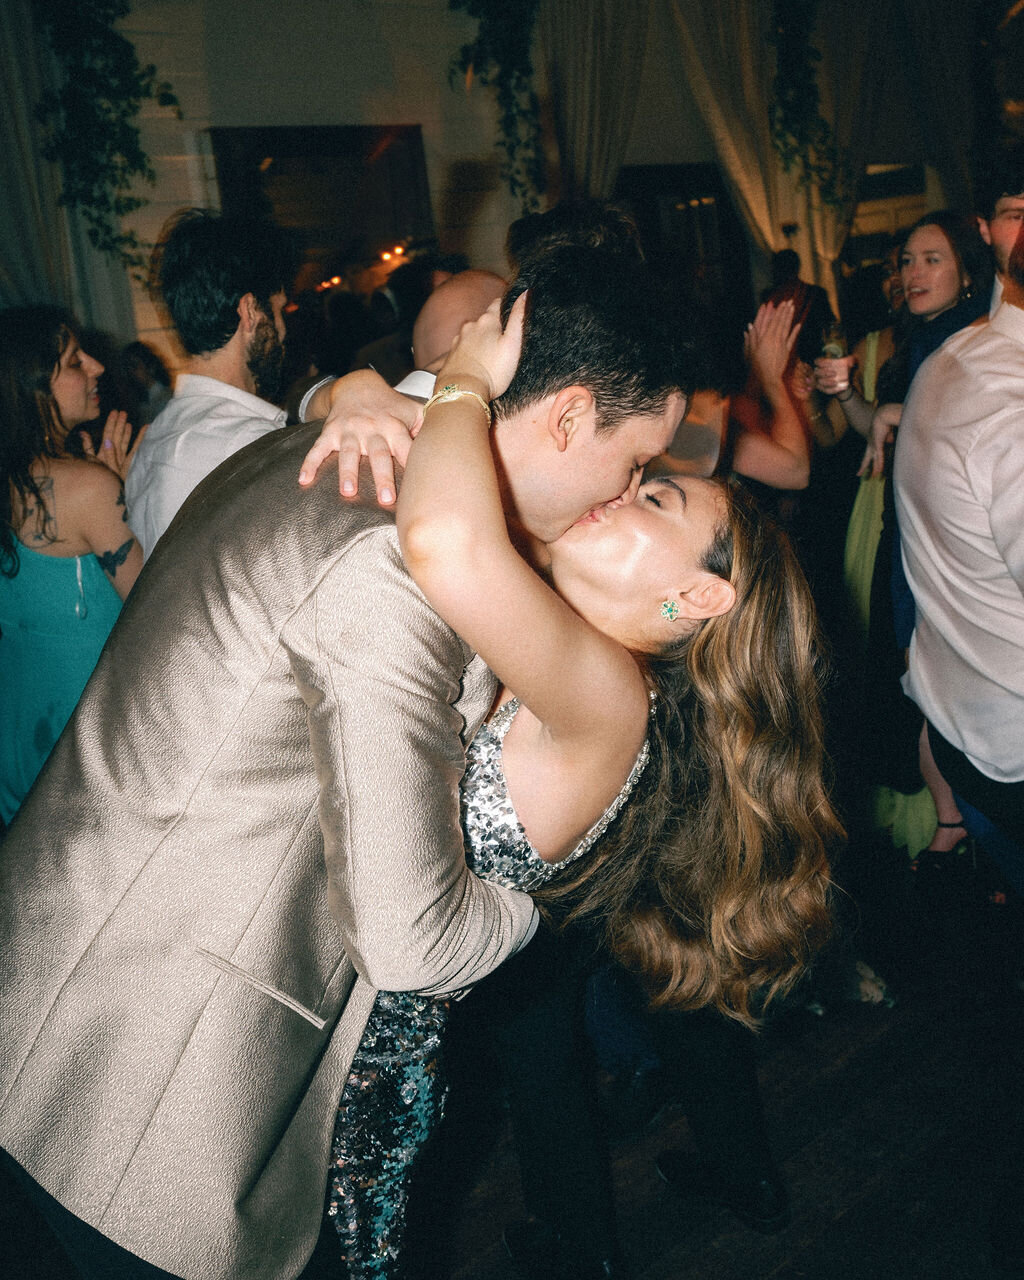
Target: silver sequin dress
[[395, 1093]]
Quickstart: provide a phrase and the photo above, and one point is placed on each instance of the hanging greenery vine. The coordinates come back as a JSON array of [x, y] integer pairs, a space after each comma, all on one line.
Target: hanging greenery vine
[[89, 120], [500, 56], [802, 138]]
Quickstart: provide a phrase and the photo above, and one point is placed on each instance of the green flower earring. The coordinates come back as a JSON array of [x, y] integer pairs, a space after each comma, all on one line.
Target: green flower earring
[[670, 610]]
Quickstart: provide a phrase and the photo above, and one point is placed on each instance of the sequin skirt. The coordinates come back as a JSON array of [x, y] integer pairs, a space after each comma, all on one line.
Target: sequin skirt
[[392, 1102]]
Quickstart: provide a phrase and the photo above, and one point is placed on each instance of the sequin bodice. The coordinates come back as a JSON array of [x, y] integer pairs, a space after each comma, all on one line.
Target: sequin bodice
[[496, 845]]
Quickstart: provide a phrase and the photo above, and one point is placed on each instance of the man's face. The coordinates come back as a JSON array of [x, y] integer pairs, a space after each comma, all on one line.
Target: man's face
[[549, 489], [1000, 231], [265, 356]]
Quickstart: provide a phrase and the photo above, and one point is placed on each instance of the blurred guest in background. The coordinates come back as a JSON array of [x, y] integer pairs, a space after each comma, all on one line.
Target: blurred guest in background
[[147, 376], [1000, 214]]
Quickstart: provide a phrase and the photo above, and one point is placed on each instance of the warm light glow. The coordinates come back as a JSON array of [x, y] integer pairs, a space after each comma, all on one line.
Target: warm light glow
[[335, 280], [399, 250], [386, 256]]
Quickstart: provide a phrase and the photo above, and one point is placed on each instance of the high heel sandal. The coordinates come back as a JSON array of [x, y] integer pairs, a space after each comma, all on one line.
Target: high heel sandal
[[950, 826], [942, 859]]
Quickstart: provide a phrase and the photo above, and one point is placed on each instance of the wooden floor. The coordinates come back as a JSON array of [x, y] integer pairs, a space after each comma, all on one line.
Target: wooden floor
[[888, 1123]]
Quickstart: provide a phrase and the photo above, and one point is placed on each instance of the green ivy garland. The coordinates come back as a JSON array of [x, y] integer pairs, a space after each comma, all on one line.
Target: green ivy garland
[[89, 120], [801, 137], [500, 56]]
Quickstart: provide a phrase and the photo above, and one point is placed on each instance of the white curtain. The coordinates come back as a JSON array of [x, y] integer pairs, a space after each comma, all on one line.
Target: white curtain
[[35, 260], [729, 62], [44, 253], [594, 51]]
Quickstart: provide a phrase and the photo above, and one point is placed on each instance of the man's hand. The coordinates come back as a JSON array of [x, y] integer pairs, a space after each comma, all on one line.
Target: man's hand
[[367, 418], [883, 431]]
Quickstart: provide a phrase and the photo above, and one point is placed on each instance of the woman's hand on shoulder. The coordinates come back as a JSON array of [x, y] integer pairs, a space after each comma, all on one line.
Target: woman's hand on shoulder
[[117, 449], [367, 419], [484, 357]]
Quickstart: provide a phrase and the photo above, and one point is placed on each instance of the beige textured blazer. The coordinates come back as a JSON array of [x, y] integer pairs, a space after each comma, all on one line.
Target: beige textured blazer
[[249, 826]]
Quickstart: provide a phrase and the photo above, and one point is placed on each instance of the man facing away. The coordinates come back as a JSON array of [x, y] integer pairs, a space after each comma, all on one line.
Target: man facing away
[[223, 281], [251, 823]]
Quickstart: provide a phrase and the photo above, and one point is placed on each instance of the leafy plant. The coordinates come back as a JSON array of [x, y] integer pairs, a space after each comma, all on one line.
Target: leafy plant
[[802, 138], [89, 119], [500, 56]]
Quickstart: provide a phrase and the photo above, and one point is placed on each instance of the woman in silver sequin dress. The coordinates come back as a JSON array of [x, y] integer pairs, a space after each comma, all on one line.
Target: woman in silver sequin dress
[[667, 651]]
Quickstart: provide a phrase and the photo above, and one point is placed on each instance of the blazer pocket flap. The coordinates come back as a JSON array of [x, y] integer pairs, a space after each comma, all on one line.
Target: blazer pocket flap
[[251, 980]]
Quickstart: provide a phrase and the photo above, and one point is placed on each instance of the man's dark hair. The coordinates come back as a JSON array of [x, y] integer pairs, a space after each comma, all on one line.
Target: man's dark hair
[[1004, 176], [590, 223], [205, 262], [597, 319]]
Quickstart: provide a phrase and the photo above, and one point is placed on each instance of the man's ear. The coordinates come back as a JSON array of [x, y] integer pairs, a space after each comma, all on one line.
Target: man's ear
[[986, 235], [709, 597], [567, 414], [250, 313]]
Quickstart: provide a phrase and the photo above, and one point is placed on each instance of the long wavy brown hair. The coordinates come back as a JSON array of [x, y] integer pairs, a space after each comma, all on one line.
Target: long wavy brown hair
[[713, 885]]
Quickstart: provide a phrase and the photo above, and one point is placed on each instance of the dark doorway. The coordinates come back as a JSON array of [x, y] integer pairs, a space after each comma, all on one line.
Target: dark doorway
[[347, 192], [695, 240]]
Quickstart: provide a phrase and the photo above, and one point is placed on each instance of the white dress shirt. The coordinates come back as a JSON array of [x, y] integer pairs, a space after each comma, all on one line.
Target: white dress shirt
[[419, 384], [206, 421], [959, 484]]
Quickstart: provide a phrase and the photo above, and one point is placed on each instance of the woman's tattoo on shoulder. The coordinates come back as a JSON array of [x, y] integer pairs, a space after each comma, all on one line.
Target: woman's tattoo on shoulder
[[111, 561], [45, 527], [122, 503]]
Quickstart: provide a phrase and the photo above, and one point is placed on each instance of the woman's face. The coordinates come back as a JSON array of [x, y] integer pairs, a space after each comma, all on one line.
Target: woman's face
[[932, 279], [73, 383], [620, 563]]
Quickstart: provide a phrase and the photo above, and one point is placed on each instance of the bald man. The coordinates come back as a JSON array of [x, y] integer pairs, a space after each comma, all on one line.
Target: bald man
[[460, 299]]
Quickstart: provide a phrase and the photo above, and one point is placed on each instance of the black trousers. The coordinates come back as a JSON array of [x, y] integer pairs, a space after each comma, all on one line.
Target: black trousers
[[51, 1243], [518, 1038], [90, 1254], [713, 1063], [533, 1007]]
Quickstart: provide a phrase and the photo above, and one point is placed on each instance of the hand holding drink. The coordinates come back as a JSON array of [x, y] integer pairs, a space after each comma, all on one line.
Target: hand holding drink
[[832, 368]]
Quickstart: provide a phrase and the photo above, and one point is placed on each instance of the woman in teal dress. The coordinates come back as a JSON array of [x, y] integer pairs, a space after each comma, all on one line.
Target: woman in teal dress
[[67, 555]]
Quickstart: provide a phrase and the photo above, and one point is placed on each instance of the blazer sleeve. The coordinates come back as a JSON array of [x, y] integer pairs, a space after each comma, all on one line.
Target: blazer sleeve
[[379, 673]]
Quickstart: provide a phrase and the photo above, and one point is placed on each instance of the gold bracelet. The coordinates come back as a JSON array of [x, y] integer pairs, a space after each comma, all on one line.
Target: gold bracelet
[[452, 391]]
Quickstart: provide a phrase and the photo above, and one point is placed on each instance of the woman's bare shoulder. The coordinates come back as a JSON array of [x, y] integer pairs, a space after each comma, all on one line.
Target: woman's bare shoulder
[[82, 493]]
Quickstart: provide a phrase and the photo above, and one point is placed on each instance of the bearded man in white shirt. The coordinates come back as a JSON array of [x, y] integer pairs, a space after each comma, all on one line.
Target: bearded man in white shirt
[[224, 283]]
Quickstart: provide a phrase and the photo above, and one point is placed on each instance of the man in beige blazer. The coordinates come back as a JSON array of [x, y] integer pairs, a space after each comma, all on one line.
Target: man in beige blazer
[[251, 823]]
